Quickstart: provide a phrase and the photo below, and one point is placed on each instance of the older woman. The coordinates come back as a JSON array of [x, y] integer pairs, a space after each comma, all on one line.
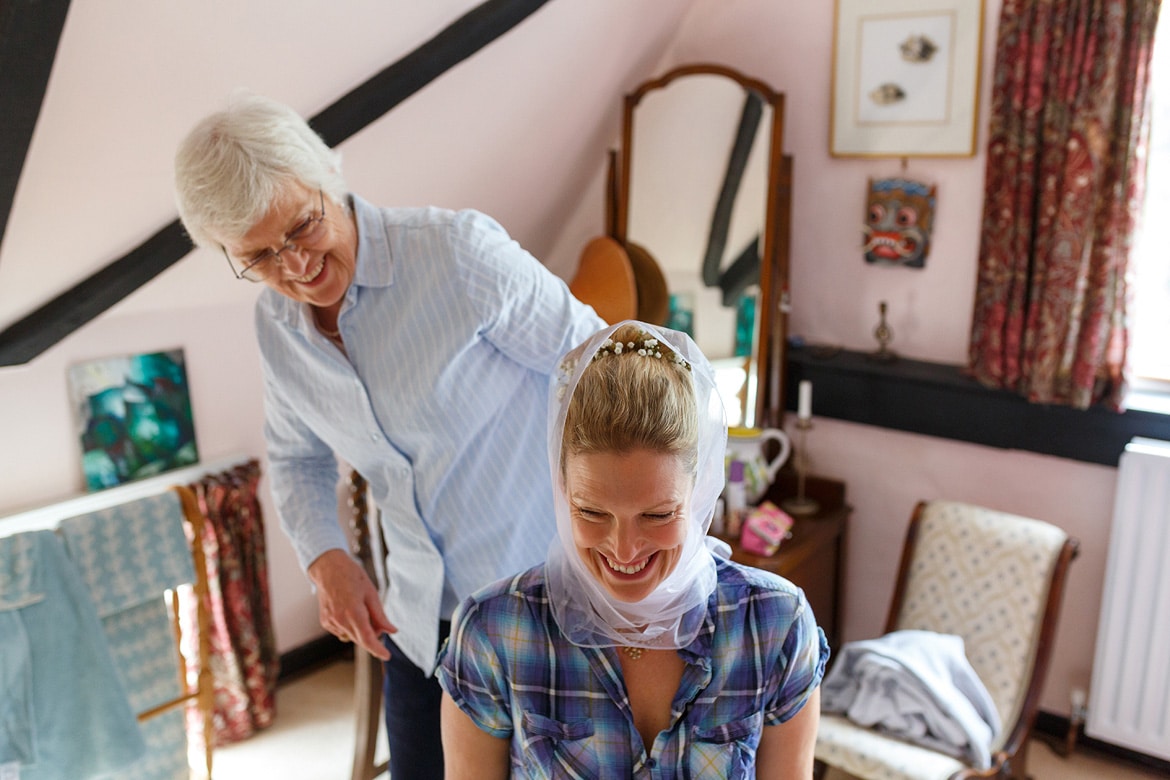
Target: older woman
[[412, 342], [634, 651]]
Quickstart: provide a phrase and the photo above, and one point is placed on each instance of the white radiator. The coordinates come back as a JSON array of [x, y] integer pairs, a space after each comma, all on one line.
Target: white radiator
[[1129, 700]]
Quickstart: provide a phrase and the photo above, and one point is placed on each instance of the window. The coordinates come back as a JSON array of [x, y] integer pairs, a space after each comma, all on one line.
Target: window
[[1149, 349]]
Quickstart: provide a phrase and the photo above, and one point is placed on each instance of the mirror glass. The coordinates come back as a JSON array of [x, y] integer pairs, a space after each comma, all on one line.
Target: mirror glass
[[701, 156]]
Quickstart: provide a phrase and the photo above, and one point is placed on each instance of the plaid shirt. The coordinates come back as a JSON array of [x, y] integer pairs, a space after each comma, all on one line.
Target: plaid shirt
[[754, 663]]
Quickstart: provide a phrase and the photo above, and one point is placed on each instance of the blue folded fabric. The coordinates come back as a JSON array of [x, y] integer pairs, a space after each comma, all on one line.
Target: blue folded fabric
[[17, 739], [63, 707], [166, 756]]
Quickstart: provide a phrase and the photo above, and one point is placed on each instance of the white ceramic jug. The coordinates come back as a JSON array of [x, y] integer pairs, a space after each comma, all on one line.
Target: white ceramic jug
[[747, 446]]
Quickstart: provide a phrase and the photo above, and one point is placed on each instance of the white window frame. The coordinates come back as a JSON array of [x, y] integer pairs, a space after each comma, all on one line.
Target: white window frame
[[1149, 277]]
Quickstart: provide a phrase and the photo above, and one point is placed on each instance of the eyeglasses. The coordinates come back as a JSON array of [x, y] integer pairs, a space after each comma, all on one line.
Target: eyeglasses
[[301, 237]]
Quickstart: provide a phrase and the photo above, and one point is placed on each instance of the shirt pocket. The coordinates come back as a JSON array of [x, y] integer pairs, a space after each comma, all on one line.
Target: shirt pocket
[[727, 751], [556, 749]]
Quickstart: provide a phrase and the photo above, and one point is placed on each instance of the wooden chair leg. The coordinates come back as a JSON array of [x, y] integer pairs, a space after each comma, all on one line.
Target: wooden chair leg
[[367, 669], [1019, 765], [205, 680], [367, 715]]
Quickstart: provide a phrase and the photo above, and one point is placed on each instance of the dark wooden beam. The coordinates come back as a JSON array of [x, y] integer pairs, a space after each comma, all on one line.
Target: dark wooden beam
[[367, 102], [30, 336], [29, 33]]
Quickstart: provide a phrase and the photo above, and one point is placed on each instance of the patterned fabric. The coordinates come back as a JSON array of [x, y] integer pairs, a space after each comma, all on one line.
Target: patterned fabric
[[982, 575], [128, 555], [244, 660], [452, 331], [131, 552], [1065, 180], [565, 708], [143, 643], [64, 712]]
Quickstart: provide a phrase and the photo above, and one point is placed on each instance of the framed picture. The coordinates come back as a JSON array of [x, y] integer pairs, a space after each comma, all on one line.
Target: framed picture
[[906, 78], [133, 417]]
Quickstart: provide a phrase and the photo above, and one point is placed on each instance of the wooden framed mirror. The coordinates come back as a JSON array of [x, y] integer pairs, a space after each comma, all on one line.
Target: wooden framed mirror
[[704, 189]]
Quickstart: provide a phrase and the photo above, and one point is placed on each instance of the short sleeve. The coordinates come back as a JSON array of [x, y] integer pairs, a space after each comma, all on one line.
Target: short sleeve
[[798, 667], [469, 670]]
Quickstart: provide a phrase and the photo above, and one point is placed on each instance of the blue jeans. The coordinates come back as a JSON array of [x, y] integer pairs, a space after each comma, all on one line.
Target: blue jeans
[[411, 700]]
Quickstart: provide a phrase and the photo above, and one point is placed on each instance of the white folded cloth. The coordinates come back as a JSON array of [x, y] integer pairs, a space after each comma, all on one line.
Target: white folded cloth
[[917, 685]]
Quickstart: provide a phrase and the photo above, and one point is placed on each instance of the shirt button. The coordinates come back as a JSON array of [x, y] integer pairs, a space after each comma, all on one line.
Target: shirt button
[[373, 437], [651, 762]]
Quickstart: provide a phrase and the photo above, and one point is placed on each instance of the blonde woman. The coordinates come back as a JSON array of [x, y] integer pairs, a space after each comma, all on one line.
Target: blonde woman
[[635, 650]]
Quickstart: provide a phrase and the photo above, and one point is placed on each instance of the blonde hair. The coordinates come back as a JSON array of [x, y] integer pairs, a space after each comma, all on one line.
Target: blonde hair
[[629, 401], [234, 163]]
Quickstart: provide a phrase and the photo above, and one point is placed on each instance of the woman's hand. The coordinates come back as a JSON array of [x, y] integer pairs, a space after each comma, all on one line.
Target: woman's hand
[[348, 603]]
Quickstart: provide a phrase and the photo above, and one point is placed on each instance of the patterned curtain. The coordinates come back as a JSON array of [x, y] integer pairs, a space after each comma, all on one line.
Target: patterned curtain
[[1065, 176], [243, 647]]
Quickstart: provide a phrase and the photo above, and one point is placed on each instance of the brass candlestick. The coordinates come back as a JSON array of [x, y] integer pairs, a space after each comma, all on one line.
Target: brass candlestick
[[800, 504], [884, 335]]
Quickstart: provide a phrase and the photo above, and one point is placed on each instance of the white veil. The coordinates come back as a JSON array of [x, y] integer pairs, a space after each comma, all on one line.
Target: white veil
[[672, 614]]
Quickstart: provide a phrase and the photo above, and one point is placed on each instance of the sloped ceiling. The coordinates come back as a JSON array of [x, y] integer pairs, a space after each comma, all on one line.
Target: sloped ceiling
[[361, 106], [517, 130]]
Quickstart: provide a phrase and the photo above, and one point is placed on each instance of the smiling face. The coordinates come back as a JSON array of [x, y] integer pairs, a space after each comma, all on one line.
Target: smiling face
[[629, 515], [317, 273]]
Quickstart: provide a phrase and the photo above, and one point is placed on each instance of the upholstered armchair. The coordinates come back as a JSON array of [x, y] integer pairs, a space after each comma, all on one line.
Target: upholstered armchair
[[994, 579]]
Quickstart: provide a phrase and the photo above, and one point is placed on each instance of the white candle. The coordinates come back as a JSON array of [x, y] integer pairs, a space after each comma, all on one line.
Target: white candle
[[804, 407]]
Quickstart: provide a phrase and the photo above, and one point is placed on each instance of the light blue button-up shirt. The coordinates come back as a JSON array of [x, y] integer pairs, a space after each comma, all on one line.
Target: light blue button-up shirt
[[452, 331]]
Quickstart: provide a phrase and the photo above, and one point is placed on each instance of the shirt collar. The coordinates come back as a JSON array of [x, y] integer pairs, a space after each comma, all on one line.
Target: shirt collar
[[700, 649], [373, 242]]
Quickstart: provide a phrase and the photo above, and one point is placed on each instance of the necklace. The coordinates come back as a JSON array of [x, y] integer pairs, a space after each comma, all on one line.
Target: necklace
[[634, 653]]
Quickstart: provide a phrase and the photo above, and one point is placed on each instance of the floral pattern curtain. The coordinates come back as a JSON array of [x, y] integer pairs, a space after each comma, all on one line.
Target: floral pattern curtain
[[1065, 175], [244, 660]]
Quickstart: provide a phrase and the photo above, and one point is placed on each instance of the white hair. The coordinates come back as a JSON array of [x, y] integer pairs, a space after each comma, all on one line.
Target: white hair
[[233, 164]]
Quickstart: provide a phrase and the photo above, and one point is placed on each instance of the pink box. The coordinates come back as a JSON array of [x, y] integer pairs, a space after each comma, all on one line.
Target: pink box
[[765, 528]]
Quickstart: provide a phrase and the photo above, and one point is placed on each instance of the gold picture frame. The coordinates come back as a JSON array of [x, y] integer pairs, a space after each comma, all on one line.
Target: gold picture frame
[[905, 78]]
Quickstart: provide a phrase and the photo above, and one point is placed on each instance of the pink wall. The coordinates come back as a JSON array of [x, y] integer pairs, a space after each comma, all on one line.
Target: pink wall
[[40, 461], [835, 297]]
